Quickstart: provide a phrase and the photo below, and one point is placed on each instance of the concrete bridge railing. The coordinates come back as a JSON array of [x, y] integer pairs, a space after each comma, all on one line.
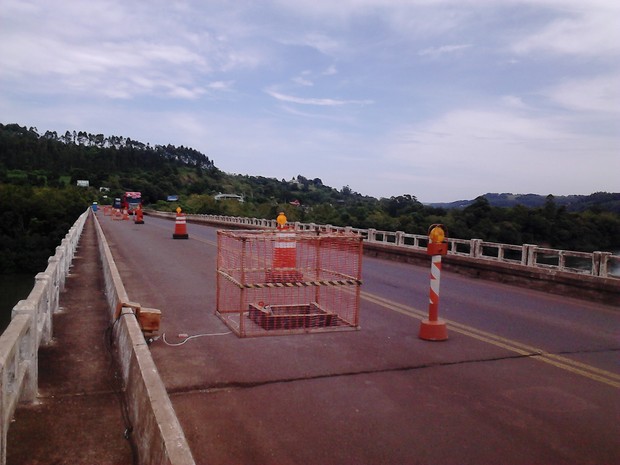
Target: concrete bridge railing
[[595, 263], [30, 327], [157, 432], [578, 274]]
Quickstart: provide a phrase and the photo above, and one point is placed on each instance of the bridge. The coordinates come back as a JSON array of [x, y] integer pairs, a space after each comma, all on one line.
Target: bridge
[[526, 376]]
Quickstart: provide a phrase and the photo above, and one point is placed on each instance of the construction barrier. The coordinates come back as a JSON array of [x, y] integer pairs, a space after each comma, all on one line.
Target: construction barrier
[[180, 227], [288, 282], [139, 216]]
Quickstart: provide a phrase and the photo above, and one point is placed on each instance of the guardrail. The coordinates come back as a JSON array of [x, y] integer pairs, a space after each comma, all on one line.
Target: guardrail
[[598, 264], [30, 327]]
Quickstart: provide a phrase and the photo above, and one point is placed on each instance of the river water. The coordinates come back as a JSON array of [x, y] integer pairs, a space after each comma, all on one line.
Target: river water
[[13, 288]]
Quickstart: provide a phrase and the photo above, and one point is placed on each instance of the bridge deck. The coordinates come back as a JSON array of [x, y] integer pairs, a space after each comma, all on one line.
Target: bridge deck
[[378, 395]]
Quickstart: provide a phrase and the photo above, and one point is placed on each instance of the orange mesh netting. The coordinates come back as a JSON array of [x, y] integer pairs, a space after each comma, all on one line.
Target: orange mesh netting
[[286, 281]]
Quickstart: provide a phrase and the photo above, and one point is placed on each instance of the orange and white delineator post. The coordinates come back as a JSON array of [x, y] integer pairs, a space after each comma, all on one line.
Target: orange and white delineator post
[[433, 328], [180, 226]]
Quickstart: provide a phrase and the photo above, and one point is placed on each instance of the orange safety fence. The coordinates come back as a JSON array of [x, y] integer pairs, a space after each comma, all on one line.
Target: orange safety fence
[[288, 282]]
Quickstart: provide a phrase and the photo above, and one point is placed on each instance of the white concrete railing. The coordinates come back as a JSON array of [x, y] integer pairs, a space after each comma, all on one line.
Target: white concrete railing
[[600, 264], [31, 326], [158, 433]]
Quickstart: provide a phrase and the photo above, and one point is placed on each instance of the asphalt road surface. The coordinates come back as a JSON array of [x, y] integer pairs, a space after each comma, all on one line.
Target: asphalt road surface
[[524, 378]]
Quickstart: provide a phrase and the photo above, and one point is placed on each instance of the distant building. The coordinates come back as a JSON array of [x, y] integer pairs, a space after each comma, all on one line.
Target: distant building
[[220, 196], [83, 183]]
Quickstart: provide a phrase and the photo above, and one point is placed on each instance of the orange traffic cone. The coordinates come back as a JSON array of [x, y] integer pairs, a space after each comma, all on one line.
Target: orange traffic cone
[[180, 227], [139, 218], [284, 266], [125, 214]]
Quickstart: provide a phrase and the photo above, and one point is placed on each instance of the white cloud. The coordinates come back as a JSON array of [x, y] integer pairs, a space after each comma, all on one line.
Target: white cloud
[[303, 81], [325, 44], [594, 94], [582, 29], [185, 93], [505, 151], [513, 101], [328, 102], [444, 49], [112, 49], [238, 80], [221, 85]]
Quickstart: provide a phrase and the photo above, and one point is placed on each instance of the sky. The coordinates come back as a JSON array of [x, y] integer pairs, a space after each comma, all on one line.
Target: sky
[[440, 99]]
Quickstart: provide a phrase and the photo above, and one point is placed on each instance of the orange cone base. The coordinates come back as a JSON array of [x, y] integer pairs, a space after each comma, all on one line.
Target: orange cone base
[[433, 330], [180, 236]]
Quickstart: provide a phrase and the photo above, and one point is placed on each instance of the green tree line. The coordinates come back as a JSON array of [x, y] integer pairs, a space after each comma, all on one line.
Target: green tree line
[[33, 222], [40, 200]]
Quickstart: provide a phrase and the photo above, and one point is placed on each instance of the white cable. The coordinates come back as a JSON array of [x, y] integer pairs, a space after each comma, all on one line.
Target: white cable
[[163, 336]]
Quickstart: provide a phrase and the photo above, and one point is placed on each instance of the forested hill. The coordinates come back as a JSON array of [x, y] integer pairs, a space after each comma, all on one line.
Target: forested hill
[[93, 156], [599, 201], [39, 198]]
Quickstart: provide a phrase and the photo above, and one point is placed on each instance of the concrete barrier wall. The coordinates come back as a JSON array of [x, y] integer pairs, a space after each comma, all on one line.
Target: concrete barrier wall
[[157, 432], [31, 326], [599, 264], [582, 286], [550, 270]]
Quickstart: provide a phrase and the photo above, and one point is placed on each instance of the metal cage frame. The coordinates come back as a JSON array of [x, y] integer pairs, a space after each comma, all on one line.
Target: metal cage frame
[[279, 282]]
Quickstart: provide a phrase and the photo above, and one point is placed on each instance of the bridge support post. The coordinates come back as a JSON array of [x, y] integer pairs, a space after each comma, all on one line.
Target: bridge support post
[[45, 308], [528, 255], [599, 263], [28, 355], [475, 248]]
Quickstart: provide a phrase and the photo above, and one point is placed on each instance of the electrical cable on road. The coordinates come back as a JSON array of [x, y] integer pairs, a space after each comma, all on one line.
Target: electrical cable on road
[[187, 338]]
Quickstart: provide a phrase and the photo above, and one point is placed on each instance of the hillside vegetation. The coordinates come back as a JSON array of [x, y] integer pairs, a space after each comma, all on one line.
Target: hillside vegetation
[[40, 200]]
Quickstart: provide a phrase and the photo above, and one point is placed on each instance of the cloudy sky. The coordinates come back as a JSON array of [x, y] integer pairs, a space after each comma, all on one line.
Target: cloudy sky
[[440, 99]]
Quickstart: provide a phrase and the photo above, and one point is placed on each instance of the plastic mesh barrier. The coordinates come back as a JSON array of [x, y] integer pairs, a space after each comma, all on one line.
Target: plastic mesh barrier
[[288, 282]]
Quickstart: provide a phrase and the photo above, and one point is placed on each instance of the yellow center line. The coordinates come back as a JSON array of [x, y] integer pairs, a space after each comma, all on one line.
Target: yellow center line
[[573, 366]]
